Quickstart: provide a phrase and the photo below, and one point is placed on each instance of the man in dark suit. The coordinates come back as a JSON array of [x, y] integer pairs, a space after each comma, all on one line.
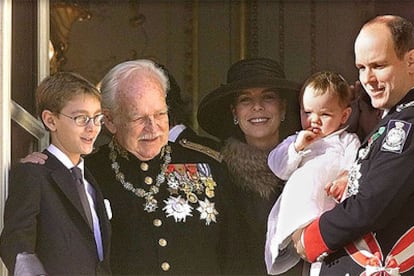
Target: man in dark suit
[[55, 219], [372, 231], [172, 208]]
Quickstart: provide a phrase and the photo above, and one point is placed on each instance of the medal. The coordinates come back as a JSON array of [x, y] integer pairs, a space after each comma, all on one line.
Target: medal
[[178, 208], [150, 204], [354, 173], [207, 211]]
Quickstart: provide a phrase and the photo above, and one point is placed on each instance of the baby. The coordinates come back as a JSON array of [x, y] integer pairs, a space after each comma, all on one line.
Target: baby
[[310, 161]]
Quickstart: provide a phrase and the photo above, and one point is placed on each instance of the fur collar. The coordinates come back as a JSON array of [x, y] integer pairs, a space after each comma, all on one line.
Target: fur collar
[[248, 169]]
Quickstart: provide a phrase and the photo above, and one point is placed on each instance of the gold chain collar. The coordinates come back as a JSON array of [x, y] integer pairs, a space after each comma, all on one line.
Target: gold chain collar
[[151, 204]]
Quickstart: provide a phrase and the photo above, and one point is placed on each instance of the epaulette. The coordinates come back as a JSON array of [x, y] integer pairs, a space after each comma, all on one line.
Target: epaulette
[[403, 106], [201, 148]]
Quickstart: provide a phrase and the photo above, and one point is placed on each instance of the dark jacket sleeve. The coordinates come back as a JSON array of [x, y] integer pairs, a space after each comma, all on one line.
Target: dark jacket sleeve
[[21, 209], [385, 194]]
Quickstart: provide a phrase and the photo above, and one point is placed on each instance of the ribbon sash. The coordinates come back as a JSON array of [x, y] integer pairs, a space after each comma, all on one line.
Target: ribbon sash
[[367, 253]]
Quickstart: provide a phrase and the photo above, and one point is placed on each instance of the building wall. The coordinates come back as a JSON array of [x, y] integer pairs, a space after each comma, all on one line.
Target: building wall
[[198, 41]]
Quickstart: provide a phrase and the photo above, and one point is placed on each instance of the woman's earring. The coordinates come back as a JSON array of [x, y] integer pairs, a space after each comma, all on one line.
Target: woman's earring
[[235, 121], [282, 118]]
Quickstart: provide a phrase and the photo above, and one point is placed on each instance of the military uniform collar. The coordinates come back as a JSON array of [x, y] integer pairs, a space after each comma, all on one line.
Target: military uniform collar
[[407, 101]]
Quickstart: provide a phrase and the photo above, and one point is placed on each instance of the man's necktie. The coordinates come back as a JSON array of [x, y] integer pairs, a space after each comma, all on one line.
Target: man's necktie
[[92, 217], [77, 174]]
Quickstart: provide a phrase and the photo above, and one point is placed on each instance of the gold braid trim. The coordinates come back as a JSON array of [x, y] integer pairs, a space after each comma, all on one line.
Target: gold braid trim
[[201, 148]]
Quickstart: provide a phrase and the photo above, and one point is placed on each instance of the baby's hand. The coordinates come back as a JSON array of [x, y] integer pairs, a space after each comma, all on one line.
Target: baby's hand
[[336, 189], [306, 137]]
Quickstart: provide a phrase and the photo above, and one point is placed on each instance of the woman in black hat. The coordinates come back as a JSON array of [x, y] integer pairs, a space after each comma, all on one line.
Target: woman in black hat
[[248, 114]]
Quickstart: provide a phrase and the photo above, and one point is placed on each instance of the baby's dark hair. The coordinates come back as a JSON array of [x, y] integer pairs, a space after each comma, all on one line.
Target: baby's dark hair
[[328, 82]]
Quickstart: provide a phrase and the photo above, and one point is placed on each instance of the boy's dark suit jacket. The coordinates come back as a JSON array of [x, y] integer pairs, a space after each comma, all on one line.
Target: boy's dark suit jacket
[[44, 215]]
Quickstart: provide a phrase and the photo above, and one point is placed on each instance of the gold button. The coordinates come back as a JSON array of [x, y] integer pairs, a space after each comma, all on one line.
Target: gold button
[[144, 166], [162, 242], [165, 266], [148, 180], [157, 222]]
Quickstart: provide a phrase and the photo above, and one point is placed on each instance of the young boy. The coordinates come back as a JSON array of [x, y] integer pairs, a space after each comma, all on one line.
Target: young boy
[[55, 220], [310, 160]]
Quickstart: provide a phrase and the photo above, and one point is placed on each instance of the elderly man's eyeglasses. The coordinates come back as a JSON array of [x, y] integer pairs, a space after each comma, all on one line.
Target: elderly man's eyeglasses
[[83, 120]]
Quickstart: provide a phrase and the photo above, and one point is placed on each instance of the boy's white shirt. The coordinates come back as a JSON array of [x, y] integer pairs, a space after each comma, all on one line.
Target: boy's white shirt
[[328, 157], [62, 157]]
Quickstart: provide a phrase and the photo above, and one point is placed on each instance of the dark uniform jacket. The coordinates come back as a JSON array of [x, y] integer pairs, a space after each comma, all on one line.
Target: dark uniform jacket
[[44, 215], [190, 135], [381, 202], [174, 239]]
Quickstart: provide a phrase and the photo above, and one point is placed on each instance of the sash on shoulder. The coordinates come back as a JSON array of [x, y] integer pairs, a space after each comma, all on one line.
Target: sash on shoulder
[[368, 254]]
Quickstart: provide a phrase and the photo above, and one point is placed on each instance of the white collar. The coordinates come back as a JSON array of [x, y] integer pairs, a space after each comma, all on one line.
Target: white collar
[[62, 157], [175, 131]]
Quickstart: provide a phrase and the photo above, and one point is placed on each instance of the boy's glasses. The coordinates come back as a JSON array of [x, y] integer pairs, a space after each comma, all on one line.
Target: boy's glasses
[[83, 120]]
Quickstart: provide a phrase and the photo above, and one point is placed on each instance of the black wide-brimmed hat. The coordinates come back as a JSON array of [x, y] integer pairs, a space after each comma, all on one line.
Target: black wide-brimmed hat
[[214, 114]]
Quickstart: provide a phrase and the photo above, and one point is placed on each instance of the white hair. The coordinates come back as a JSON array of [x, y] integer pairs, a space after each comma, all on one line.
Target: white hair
[[111, 81]]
